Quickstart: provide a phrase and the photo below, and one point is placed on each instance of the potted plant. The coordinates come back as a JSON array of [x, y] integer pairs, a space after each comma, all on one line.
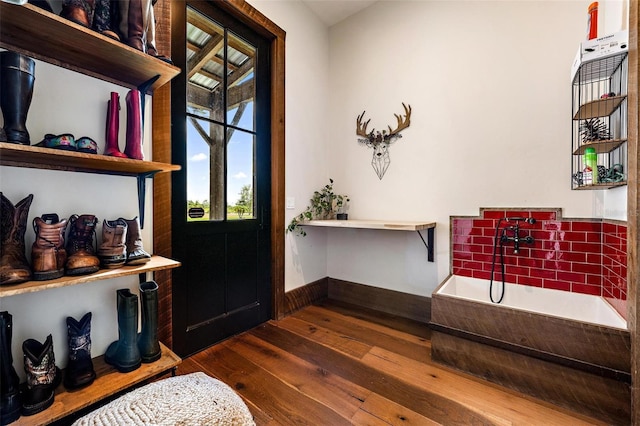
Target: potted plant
[[323, 205]]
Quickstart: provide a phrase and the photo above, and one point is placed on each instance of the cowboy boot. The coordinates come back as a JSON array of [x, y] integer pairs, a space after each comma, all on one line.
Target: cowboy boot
[[81, 254], [102, 21], [133, 149], [113, 124], [16, 90], [43, 377], [79, 372], [10, 401], [48, 255], [148, 338], [124, 354], [113, 250], [14, 267], [79, 11], [136, 255], [130, 23]]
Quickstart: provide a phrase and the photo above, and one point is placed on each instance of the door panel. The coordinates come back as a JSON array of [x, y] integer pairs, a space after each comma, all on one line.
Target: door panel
[[221, 198]]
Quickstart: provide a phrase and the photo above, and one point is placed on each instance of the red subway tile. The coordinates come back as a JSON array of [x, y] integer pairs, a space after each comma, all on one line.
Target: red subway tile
[[594, 237], [572, 277], [594, 279], [483, 275], [557, 285], [571, 256], [543, 215], [586, 247], [493, 214], [531, 281], [543, 273], [586, 289], [587, 268], [573, 236], [586, 226]]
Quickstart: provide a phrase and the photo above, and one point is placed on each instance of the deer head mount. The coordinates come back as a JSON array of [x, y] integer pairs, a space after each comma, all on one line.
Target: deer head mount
[[380, 141]]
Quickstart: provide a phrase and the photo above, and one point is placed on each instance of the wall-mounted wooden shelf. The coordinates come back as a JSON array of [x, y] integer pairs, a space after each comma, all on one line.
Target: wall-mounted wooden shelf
[[388, 225], [108, 382], [371, 224], [39, 34], [52, 159], [156, 263]]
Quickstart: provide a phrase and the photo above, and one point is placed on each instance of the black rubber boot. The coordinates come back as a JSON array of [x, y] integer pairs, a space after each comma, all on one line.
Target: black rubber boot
[[43, 377], [16, 90], [79, 372], [148, 337], [124, 354], [10, 401]]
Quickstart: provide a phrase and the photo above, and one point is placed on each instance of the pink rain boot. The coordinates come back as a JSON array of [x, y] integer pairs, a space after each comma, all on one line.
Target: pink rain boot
[[113, 124], [133, 149]]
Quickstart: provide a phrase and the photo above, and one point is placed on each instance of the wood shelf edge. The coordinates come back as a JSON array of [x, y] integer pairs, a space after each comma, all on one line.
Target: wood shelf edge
[[18, 155], [601, 147], [389, 225], [108, 383], [155, 264]]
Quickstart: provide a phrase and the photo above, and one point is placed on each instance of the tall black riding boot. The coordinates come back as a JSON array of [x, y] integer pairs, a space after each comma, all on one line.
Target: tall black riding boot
[[14, 267], [17, 75], [43, 377], [79, 372], [148, 337], [10, 403], [124, 354]]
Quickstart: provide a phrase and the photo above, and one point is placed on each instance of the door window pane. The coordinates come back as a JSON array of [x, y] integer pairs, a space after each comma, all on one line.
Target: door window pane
[[241, 83], [240, 175]]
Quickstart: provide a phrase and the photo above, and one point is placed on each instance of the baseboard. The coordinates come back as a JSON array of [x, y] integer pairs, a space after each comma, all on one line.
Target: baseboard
[[306, 295], [404, 305]]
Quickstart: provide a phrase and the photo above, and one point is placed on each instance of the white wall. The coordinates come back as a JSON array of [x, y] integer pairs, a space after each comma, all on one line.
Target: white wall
[[490, 91], [68, 102]]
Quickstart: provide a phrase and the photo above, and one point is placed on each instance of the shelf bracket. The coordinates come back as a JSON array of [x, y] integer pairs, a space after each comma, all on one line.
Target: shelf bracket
[[429, 243], [142, 190]]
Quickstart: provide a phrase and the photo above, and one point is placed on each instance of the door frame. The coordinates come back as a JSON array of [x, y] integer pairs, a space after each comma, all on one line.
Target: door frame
[[161, 117]]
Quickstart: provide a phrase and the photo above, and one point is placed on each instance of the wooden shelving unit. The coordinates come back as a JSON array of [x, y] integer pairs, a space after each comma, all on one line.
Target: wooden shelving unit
[[109, 382], [34, 32], [156, 263], [599, 108], [42, 35]]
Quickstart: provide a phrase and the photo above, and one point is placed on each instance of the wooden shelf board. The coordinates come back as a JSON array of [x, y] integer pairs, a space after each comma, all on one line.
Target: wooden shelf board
[[18, 155], [599, 108], [108, 382], [601, 147], [155, 264], [371, 224], [601, 186], [43, 35]]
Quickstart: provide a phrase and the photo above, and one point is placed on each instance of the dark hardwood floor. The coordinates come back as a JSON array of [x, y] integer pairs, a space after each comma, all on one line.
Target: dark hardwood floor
[[335, 364]]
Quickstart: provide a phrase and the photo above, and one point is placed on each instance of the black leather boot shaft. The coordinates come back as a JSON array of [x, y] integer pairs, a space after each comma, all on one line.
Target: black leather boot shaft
[[148, 339], [17, 76], [124, 354], [43, 376], [10, 401], [79, 372]]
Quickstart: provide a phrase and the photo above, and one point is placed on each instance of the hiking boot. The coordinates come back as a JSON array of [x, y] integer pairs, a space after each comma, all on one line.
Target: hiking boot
[[113, 250], [135, 252], [48, 255], [81, 253]]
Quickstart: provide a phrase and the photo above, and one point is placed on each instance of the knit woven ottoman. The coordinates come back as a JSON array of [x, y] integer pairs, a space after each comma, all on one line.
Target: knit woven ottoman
[[192, 399]]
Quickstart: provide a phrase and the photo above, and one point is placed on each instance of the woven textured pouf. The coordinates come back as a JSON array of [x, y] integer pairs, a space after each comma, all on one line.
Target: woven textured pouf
[[192, 399]]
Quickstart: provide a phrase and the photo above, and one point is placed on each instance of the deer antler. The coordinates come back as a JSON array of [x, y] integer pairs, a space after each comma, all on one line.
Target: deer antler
[[362, 129], [402, 123]]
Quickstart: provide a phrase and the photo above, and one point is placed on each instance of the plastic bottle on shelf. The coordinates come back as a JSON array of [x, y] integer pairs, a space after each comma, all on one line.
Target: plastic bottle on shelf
[[592, 21], [590, 172]]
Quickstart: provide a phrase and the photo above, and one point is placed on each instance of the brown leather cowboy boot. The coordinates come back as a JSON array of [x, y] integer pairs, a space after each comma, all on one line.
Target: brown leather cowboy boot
[[130, 23], [113, 250], [81, 253], [136, 255], [14, 267], [48, 255]]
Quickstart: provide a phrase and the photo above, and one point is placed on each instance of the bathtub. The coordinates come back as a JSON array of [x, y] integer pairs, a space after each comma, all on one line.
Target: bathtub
[[567, 348], [562, 304]]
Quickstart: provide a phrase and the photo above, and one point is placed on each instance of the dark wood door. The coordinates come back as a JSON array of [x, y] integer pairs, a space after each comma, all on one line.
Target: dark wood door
[[221, 198]]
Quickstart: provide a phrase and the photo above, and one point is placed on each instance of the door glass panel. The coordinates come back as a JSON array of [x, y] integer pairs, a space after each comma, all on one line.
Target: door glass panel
[[240, 83], [205, 170], [220, 147], [240, 175]]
